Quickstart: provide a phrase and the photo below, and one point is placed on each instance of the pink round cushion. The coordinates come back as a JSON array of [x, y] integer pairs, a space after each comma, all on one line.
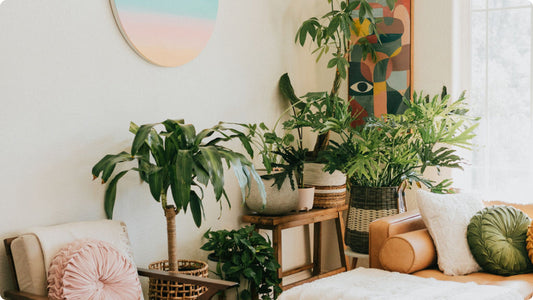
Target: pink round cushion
[[88, 269]]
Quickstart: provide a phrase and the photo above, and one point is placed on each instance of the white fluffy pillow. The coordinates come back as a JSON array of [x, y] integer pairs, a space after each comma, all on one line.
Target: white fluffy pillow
[[447, 217]]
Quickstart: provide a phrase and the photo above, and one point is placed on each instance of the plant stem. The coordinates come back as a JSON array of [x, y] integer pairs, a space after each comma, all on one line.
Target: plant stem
[[170, 214]]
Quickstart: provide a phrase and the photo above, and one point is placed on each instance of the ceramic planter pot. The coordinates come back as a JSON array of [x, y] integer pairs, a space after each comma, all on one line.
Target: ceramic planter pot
[[278, 202], [306, 197]]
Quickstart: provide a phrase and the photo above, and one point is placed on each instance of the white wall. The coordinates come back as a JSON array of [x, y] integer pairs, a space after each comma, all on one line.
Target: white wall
[[70, 85]]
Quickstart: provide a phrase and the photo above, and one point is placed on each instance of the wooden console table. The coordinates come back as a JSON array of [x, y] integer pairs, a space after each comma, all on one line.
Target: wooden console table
[[314, 216]]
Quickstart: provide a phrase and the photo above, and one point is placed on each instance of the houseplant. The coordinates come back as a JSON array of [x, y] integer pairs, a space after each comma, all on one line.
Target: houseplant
[[245, 254], [178, 158], [283, 159], [333, 34], [390, 153]]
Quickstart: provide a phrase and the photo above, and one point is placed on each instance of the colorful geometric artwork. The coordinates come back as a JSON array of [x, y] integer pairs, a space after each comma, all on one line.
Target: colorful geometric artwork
[[379, 86], [166, 32]]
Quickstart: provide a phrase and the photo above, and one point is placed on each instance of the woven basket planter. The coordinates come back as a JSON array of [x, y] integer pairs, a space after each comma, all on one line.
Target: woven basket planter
[[366, 205], [172, 290], [330, 189]]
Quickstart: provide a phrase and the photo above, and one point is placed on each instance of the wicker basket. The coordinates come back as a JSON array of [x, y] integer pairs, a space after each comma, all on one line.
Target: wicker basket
[[366, 205], [329, 196], [172, 290]]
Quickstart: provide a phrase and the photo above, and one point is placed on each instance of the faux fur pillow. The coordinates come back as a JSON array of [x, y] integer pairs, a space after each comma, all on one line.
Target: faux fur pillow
[[447, 218], [87, 269]]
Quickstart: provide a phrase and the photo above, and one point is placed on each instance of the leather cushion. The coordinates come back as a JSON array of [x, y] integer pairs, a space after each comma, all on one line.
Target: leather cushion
[[408, 252], [497, 238]]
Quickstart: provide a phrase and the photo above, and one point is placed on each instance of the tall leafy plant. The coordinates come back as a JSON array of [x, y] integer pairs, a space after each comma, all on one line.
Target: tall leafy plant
[[395, 150], [172, 158], [332, 34]]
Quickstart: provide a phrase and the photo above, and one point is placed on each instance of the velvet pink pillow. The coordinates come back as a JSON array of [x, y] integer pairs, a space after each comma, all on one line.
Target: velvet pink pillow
[[88, 269]]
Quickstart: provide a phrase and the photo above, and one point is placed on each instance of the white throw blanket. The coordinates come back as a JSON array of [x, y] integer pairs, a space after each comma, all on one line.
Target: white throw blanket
[[377, 284], [53, 238]]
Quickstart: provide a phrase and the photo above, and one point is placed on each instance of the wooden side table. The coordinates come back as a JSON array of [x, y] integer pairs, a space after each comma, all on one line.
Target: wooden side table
[[314, 216]]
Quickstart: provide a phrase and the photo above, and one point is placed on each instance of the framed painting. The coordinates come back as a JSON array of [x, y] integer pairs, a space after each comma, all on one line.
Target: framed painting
[[378, 85], [167, 33]]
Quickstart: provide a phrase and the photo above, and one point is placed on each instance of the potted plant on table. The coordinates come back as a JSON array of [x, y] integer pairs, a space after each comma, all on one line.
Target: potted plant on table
[[283, 158], [388, 154], [177, 160], [245, 256]]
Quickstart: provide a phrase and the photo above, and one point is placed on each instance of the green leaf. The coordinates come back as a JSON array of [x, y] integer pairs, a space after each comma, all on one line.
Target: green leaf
[[214, 168], [286, 89], [107, 164], [196, 208], [181, 178], [391, 3], [190, 134], [111, 194], [140, 137], [155, 181]]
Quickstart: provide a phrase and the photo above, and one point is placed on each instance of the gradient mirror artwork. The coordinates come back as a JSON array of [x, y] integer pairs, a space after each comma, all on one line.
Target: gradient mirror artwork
[[167, 33]]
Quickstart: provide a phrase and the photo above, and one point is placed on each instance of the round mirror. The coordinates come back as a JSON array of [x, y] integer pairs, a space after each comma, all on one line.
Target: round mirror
[[167, 33]]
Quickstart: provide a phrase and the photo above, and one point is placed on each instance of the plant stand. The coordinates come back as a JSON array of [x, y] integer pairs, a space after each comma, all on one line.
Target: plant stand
[[314, 216], [173, 290]]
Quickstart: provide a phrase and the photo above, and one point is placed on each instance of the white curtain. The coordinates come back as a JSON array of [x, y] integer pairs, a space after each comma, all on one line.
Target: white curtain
[[500, 93]]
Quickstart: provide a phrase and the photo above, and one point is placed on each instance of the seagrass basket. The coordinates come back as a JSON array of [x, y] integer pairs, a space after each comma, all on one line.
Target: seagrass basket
[[329, 196], [172, 290], [366, 205]]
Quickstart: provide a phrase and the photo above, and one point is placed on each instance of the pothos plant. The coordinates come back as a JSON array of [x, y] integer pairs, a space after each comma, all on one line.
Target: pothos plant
[[333, 34], [395, 150], [172, 158], [244, 253]]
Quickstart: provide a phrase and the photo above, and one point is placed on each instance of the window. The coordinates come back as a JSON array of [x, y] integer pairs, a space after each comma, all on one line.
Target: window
[[501, 80]]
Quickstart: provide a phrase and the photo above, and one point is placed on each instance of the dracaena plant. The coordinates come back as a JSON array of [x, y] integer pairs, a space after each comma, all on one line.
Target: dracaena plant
[[172, 158], [395, 150], [334, 34]]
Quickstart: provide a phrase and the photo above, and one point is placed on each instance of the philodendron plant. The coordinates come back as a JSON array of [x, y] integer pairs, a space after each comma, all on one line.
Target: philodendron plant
[[176, 158]]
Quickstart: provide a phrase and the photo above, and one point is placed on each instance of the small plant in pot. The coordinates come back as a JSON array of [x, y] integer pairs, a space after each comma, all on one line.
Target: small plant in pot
[[283, 158], [245, 254], [390, 153], [172, 158]]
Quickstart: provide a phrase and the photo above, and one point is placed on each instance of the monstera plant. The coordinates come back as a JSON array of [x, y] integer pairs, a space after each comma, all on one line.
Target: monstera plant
[[177, 160]]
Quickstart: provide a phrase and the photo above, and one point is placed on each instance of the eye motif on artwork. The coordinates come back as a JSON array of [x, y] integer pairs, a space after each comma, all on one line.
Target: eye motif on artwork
[[167, 33], [362, 87]]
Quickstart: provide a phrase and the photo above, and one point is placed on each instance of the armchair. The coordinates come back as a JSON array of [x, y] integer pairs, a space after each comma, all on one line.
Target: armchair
[[27, 260]]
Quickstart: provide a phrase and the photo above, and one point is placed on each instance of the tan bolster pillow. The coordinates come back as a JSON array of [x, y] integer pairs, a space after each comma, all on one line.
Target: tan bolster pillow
[[408, 252]]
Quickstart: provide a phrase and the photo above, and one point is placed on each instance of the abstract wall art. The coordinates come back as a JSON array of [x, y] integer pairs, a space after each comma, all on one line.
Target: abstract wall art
[[378, 86], [166, 32]]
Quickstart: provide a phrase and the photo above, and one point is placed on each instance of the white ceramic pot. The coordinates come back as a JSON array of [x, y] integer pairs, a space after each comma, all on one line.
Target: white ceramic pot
[[278, 202], [314, 176], [306, 197]]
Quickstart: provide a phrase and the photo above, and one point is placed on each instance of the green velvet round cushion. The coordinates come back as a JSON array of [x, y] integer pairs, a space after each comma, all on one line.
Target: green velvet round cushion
[[497, 239]]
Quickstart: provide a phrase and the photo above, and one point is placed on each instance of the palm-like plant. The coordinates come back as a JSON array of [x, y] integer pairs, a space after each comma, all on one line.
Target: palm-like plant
[[179, 159]]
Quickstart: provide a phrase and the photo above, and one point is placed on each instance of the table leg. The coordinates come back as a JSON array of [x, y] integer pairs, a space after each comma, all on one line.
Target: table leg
[[340, 239], [317, 249], [276, 241]]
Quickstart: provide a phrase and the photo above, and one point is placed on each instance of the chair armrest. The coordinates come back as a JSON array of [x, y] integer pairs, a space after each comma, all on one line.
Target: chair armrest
[[213, 285], [17, 295], [383, 228]]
